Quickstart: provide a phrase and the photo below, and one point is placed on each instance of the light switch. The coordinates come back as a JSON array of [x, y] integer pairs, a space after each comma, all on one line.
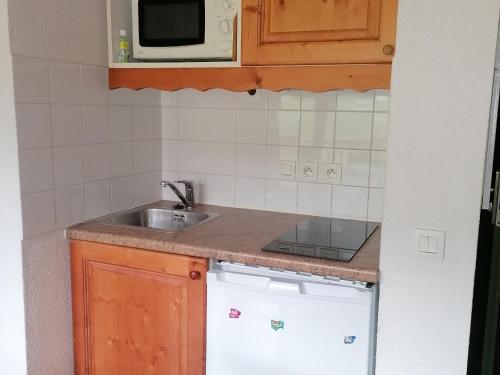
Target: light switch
[[433, 245], [288, 169], [423, 244], [429, 243]]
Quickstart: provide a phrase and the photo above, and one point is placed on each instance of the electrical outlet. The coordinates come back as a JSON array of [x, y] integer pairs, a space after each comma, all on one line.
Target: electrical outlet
[[330, 173], [308, 171]]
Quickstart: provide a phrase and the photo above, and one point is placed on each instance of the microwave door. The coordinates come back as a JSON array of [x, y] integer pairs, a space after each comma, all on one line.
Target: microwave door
[[169, 23]]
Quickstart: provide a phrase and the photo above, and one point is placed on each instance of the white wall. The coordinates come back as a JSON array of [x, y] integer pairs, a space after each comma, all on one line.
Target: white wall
[[233, 145], [48, 304], [441, 90], [12, 330], [64, 30], [83, 152]]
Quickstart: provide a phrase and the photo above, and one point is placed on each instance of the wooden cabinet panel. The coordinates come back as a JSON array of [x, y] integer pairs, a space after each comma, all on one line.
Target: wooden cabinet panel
[[320, 20], [317, 78], [137, 320], [136, 311], [318, 31]]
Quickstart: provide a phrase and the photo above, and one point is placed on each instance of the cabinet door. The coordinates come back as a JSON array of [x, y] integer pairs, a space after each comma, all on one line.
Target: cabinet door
[[318, 31], [136, 311]]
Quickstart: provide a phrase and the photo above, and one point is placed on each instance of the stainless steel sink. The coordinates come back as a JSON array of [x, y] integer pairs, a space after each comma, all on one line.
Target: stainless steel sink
[[162, 219]]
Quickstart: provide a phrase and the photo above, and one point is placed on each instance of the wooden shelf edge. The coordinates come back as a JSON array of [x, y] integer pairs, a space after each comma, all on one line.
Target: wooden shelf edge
[[359, 77]]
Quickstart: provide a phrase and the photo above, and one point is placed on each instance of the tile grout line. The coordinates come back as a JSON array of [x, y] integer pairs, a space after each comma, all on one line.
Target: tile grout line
[[108, 131], [234, 157], [332, 204], [267, 155], [370, 160], [298, 161], [84, 182], [52, 145]]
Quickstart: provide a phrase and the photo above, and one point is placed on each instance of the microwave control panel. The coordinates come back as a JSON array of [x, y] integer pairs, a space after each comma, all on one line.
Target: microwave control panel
[[226, 11]]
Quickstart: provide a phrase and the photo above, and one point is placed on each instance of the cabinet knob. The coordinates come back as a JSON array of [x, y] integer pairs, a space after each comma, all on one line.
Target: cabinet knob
[[252, 9], [388, 49], [194, 275]]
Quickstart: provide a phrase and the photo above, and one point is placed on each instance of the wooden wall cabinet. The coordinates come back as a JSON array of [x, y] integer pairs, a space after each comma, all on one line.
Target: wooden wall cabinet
[[313, 45], [137, 311], [292, 32]]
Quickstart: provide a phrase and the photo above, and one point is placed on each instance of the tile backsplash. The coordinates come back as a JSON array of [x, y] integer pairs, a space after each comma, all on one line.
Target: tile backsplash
[[248, 151], [84, 151]]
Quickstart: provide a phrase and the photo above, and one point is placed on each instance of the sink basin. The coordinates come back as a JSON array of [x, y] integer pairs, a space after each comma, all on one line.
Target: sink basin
[[162, 219]]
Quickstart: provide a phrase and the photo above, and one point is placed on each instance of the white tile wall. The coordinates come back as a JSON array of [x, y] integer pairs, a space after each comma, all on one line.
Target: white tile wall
[[283, 128], [314, 199], [84, 151], [250, 193], [87, 151], [33, 125], [317, 129], [251, 126], [221, 125], [65, 83], [234, 146], [349, 202]]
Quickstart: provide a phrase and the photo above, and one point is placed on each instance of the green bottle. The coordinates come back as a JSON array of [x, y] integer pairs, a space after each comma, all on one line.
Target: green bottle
[[124, 55]]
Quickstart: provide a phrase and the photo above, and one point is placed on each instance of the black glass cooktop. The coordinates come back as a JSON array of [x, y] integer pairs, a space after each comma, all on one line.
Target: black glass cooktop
[[319, 237]]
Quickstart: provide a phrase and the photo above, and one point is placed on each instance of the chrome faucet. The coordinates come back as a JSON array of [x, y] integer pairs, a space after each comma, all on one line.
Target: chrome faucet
[[188, 198]]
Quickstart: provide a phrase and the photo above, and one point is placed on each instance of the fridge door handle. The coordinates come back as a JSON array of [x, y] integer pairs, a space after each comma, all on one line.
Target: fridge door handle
[[495, 208], [242, 279], [284, 287]]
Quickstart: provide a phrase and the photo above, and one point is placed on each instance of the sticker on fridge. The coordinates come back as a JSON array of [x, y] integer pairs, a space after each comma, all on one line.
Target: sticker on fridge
[[277, 324], [348, 340], [234, 313]]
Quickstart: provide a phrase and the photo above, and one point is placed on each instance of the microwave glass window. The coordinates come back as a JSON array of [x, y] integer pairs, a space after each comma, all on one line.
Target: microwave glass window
[[164, 23]]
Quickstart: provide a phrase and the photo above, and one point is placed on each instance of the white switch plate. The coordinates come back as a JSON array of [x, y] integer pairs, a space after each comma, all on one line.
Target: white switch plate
[[288, 169], [308, 171], [429, 243], [330, 173]]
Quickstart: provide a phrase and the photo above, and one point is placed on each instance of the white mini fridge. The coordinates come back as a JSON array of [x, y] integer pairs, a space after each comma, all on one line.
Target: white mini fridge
[[270, 322]]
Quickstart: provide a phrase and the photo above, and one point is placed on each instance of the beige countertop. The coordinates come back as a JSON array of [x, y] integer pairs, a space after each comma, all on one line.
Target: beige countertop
[[236, 236]]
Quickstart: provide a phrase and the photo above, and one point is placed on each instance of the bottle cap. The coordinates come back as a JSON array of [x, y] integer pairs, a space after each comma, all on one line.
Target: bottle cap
[[123, 32]]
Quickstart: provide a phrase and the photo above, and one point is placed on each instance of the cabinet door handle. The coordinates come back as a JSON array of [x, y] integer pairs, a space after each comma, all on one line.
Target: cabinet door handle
[[195, 275], [388, 49]]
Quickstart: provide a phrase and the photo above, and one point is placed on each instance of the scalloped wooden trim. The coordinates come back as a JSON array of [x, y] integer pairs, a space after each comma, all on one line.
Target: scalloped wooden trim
[[359, 77]]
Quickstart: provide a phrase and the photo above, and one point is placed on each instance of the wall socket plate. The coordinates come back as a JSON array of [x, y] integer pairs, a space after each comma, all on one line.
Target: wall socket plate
[[330, 173], [308, 171]]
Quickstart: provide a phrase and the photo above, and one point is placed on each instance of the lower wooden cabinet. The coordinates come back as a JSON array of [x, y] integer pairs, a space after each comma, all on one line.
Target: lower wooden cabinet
[[137, 311]]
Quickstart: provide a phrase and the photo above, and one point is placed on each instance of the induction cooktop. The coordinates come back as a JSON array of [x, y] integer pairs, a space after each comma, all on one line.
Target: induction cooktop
[[319, 237]]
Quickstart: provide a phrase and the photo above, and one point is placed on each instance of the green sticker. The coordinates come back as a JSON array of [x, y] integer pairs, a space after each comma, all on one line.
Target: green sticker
[[277, 324]]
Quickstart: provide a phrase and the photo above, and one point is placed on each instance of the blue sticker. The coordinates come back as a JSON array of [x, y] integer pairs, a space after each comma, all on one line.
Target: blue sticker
[[348, 340]]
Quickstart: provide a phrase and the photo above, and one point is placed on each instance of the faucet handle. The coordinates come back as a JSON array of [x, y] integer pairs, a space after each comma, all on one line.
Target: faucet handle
[[187, 183], [189, 186]]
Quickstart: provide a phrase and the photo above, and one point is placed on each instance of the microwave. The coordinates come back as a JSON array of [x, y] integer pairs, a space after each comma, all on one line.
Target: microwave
[[183, 30]]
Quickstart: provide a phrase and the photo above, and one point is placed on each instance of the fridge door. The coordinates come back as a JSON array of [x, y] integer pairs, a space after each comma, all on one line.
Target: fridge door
[[263, 325]]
